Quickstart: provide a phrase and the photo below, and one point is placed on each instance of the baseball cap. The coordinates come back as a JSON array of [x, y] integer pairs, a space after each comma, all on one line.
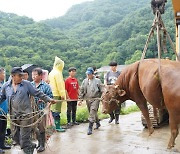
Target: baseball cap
[[17, 70], [113, 63], [72, 69], [90, 70]]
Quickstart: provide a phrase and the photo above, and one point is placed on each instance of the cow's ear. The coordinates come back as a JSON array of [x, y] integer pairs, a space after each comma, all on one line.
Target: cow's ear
[[121, 92]]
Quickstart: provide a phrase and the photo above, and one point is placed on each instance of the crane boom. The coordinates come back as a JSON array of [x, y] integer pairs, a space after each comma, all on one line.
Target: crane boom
[[176, 8]]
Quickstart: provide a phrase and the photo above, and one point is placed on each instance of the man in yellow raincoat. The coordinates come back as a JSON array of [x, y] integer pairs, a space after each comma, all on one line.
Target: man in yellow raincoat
[[58, 90]]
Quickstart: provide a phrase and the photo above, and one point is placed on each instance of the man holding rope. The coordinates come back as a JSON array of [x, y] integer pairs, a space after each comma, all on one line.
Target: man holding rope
[[91, 90], [17, 91]]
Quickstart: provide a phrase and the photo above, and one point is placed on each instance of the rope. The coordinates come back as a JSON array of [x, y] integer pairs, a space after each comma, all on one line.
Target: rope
[[158, 25], [43, 112], [39, 112], [84, 99]]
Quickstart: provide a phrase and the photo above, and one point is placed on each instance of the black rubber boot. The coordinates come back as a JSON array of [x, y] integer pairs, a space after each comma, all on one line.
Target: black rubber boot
[[90, 128], [97, 125], [75, 123], [111, 117], [29, 149], [2, 145], [41, 140], [116, 118]]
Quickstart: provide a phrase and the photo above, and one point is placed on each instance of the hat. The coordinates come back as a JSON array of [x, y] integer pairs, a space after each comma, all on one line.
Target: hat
[[17, 70], [90, 71], [113, 63], [72, 69]]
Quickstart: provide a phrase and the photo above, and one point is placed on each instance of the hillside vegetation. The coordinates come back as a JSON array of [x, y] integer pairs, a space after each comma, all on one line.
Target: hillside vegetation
[[90, 34]]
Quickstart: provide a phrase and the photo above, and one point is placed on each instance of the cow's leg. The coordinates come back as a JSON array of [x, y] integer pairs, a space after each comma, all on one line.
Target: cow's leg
[[144, 109], [174, 131]]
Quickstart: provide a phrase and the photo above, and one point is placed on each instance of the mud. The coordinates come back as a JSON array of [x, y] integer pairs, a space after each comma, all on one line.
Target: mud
[[129, 137]]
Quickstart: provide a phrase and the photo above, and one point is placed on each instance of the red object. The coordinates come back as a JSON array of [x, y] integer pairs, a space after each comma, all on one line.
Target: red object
[[72, 86]]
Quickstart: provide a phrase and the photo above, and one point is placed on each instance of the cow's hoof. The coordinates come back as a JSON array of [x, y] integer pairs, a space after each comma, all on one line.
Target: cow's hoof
[[151, 130], [170, 146]]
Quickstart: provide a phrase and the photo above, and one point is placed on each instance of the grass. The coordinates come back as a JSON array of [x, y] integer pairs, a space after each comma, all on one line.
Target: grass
[[130, 109], [82, 113]]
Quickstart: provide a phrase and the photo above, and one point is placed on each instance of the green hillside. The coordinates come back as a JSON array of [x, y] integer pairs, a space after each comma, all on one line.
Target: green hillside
[[91, 33], [113, 29]]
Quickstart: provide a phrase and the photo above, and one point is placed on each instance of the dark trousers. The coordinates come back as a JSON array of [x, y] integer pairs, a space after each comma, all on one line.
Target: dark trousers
[[116, 112], [3, 124], [71, 111], [22, 135], [93, 110]]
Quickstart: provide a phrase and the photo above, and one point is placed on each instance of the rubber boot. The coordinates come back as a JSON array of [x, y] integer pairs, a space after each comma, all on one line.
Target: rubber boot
[[41, 140], [58, 127], [116, 118], [97, 125], [111, 117], [29, 149], [90, 128], [2, 145]]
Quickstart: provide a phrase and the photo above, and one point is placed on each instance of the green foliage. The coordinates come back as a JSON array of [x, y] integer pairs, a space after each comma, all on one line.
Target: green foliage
[[102, 116], [82, 114], [9, 141], [130, 109], [63, 119], [135, 57], [90, 34]]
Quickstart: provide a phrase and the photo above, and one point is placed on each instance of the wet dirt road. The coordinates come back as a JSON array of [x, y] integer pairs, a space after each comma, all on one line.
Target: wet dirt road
[[129, 137]]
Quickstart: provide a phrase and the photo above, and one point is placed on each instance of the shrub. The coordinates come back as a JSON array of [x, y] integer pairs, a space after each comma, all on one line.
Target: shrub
[[130, 109]]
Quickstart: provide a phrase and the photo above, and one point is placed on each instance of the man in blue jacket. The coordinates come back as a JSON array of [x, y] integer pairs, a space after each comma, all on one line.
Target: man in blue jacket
[[3, 113], [18, 91]]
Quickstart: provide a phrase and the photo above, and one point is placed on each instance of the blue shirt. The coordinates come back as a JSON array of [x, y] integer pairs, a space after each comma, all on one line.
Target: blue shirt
[[46, 89], [4, 105], [19, 101]]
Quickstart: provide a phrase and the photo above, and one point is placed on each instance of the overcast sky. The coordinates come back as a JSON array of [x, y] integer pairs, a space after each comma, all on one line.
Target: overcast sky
[[38, 9]]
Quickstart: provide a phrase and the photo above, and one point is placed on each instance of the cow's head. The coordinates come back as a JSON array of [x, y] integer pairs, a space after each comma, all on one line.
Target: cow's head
[[111, 98]]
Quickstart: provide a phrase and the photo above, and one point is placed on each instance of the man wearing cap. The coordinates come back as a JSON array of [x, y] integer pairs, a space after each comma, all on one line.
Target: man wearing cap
[[91, 88], [110, 79], [72, 87], [18, 91]]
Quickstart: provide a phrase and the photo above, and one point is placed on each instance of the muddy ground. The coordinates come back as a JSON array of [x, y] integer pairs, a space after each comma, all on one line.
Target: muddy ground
[[129, 137]]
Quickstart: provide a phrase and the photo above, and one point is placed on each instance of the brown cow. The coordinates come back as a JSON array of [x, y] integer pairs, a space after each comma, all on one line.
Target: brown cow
[[152, 81]]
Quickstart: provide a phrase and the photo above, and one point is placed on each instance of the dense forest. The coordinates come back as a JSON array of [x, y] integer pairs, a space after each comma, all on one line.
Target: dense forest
[[89, 34]]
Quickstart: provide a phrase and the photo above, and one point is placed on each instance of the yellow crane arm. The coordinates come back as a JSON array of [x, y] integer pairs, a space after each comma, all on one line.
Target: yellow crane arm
[[176, 8]]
